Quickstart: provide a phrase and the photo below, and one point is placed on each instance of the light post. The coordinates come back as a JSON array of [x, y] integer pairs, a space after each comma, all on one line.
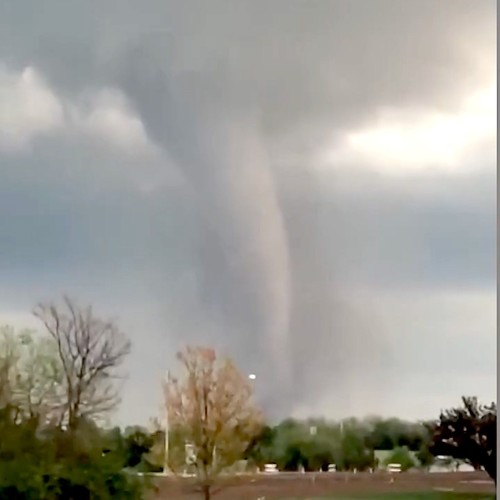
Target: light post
[[252, 378], [167, 428]]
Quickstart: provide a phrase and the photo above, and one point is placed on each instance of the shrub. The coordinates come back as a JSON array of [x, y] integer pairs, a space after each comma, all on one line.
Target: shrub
[[401, 456]]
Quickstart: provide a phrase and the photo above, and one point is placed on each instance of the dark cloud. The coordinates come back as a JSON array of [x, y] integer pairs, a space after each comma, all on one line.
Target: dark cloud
[[219, 237]]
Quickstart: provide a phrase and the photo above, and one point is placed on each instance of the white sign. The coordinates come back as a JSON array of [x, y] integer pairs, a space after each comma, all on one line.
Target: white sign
[[190, 454]]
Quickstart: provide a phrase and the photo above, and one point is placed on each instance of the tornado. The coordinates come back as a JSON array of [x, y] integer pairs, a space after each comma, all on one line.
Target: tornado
[[216, 144], [227, 165]]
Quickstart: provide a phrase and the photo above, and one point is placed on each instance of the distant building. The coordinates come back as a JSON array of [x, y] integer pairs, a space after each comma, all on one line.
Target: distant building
[[449, 464]]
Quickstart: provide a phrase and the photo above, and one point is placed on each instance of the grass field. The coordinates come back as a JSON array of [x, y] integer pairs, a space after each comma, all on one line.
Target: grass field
[[434, 495]]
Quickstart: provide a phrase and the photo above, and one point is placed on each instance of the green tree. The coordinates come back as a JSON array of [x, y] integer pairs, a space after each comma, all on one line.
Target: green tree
[[293, 457], [30, 373], [468, 433], [261, 448], [318, 454], [424, 456], [137, 444], [387, 434], [355, 451], [401, 456], [37, 462]]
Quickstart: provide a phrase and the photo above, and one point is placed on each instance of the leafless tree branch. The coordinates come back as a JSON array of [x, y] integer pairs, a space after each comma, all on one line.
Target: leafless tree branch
[[90, 350]]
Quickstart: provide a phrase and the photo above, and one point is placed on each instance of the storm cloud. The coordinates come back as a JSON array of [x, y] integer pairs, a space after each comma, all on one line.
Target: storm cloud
[[308, 186]]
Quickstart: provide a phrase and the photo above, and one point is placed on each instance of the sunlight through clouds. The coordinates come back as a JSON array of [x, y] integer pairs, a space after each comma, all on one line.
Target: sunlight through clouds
[[404, 140]]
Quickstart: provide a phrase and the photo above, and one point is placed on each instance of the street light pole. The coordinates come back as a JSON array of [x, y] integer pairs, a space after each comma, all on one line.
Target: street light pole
[[167, 427], [252, 378]]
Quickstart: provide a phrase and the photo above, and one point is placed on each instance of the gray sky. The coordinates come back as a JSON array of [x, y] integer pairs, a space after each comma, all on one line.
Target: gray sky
[[308, 186]]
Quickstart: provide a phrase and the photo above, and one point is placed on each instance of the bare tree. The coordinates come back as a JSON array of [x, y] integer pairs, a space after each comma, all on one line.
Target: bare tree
[[90, 351], [212, 405]]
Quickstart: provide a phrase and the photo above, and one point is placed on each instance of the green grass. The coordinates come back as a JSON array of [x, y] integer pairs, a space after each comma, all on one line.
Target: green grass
[[434, 495]]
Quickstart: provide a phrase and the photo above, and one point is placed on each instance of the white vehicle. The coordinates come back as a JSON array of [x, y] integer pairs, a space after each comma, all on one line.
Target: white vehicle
[[270, 469], [394, 468]]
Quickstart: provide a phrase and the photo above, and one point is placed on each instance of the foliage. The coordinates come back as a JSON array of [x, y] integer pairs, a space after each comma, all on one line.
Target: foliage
[[424, 456], [46, 462], [54, 388], [30, 373], [137, 444], [260, 449], [401, 456], [349, 444], [388, 434], [45, 377], [468, 433], [292, 445], [355, 452], [212, 407]]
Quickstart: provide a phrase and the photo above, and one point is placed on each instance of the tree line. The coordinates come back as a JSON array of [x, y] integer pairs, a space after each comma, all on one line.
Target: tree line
[[58, 386], [350, 444]]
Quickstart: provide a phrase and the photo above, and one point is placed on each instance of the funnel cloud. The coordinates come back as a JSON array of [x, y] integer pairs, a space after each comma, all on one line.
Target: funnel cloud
[[306, 186]]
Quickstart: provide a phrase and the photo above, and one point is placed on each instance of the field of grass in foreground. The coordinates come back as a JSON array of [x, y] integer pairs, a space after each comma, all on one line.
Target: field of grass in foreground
[[433, 495]]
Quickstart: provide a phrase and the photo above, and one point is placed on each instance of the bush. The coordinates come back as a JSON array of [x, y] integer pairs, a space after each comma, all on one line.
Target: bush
[[401, 456], [59, 465]]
